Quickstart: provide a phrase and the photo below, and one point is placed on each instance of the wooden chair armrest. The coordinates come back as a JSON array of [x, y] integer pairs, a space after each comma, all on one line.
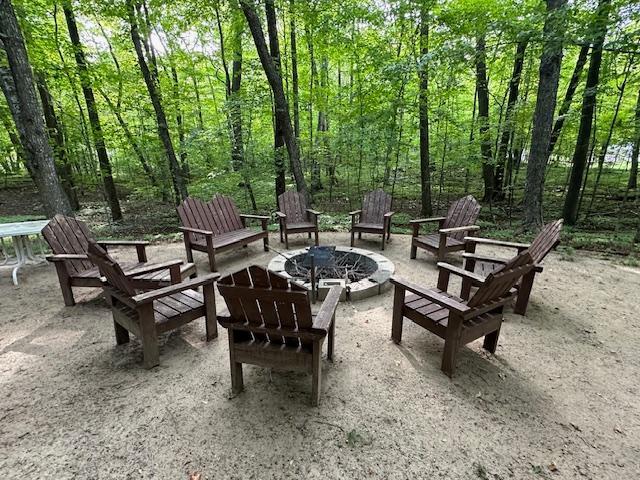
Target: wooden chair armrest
[[425, 220], [123, 243], [62, 257], [195, 230], [156, 267], [152, 295], [313, 212], [436, 296], [281, 215], [389, 214], [328, 309], [497, 243], [255, 217], [484, 258], [355, 212], [466, 228], [477, 279]]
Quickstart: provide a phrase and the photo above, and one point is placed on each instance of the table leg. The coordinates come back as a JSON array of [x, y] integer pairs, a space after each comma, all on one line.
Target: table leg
[[19, 246]]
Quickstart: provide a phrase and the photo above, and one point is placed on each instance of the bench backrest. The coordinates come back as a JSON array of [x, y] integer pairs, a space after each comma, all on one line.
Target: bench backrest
[[293, 205], [66, 235], [461, 213], [500, 281], [110, 269], [219, 215], [374, 205], [259, 300], [546, 240]]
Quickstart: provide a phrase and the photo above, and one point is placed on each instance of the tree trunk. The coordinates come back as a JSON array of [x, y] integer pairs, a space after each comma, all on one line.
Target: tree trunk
[[281, 105], [568, 97], [92, 110], [550, 62], [153, 87], [19, 89], [294, 70], [184, 165], [235, 109], [323, 128], [425, 162], [278, 129], [482, 87], [508, 124], [56, 137], [635, 153], [570, 210]]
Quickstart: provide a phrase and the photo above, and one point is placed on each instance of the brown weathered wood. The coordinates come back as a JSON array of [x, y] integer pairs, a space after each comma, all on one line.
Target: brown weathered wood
[[295, 216], [452, 229], [69, 239], [149, 314], [454, 319], [483, 266], [217, 225], [271, 325], [374, 216]]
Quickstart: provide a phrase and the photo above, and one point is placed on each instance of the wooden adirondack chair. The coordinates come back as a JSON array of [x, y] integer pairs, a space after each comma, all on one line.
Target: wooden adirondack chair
[[482, 265], [295, 217], [451, 229], [374, 217], [270, 324], [453, 319], [216, 226], [69, 239], [152, 313]]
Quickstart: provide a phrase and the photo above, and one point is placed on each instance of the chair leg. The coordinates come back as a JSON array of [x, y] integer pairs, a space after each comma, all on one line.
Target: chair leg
[[414, 252], [265, 242], [359, 235], [451, 346], [491, 341], [396, 323], [210, 311], [187, 247], [286, 240], [309, 234], [237, 383], [383, 235], [316, 374], [149, 337], [524, 292], [65, 284], [122, 334], [331, 339], [352, 237], [212, 260], [317, 238]]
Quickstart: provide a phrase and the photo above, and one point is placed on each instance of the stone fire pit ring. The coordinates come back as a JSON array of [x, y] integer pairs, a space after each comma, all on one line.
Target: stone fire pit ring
[[374, 284]]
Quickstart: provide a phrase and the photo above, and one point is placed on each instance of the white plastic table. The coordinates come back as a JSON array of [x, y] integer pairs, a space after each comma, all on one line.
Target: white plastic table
[[19, 232]]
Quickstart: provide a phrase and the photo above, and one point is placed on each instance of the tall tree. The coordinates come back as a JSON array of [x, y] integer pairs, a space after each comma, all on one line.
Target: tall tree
[[482, 87], [581, 152], [294, 69], [19, 89], [549, 73], [635, 152], [150, 75], [92, 109], [423, 72], [281, 105]]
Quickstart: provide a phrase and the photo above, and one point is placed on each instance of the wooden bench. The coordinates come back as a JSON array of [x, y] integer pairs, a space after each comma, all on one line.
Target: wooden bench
[[451, 229], [374, 216], [295, 217], [482, 265], [152, 313], [69, 239], [270, 324], [216, 226], [452, 318]]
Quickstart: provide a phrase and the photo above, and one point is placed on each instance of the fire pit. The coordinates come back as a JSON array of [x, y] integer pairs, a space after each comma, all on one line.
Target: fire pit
[[363, 273]]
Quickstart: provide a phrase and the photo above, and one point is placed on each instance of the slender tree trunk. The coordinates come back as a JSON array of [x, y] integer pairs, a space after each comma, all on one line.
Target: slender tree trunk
[[482, 86], [151, 80], [19, 89], [56, 137], [294, 70], [235, 108], [281, 105], [92, 110], [568, 97], [184, 165], [425, 161], [580, 154], [635, 153], [508, 123], [313, 75], [323, 128], [550, 62], [5, 117]]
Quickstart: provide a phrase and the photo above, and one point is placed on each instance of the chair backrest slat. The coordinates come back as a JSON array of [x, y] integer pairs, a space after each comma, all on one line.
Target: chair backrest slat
[[219, 215], [462, 212], [110, 269], [293, 205], [500, 281], [66, 235], [374, 205], [546, 240]]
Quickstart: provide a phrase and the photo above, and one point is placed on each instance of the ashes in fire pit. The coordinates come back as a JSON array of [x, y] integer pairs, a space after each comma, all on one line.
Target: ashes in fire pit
[[365, 273]]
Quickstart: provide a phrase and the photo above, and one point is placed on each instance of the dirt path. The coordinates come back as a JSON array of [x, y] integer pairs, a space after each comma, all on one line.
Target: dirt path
[[562, 390]]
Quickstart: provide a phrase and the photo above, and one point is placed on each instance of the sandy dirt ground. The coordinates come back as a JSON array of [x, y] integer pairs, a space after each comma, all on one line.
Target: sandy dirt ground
[[558, 400]]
